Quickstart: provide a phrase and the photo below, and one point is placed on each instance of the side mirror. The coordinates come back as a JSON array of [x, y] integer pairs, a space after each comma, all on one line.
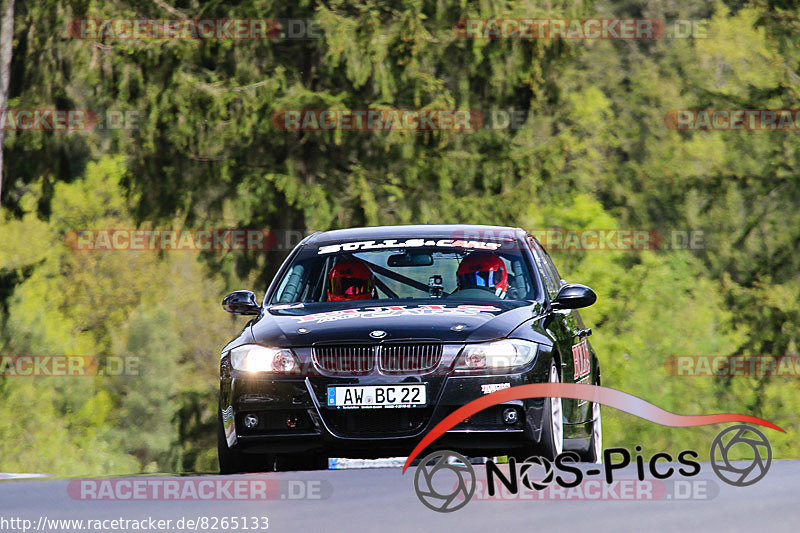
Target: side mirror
[[574, 296], [241, 303]]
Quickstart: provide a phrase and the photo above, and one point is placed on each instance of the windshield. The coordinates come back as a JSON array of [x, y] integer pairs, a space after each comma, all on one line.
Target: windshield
[[349, 272]]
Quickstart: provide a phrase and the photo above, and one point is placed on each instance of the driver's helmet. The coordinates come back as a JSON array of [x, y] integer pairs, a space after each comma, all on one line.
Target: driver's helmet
[[483, 270], [350, 279]]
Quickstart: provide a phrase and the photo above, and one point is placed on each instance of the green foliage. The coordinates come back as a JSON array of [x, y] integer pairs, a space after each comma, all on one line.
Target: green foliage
[[148, 400], [130, 306], [38, 437]]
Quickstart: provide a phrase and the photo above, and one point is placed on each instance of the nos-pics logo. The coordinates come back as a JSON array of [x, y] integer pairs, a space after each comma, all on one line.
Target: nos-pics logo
[[445, 481]]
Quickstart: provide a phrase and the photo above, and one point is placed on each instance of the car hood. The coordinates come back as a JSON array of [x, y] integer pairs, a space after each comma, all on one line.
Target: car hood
[[308, 324]]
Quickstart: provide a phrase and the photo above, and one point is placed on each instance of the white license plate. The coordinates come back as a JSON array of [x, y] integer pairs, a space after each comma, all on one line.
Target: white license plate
[[372, 396]]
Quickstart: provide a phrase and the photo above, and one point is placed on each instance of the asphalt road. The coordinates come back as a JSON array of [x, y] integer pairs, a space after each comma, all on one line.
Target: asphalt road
[[381, 499]]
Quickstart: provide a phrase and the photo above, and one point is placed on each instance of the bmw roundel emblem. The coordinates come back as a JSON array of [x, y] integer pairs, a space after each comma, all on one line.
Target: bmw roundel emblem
[[377, 334]]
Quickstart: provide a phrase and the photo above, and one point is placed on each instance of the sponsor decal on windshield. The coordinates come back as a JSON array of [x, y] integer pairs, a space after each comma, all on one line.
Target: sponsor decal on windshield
[[395, 311], [409, 243]]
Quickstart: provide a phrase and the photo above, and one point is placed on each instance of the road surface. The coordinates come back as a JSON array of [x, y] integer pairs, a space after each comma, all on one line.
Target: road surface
[[384, 500]]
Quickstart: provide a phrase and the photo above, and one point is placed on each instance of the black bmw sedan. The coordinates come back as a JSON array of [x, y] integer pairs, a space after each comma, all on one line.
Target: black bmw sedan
[[369, 337]]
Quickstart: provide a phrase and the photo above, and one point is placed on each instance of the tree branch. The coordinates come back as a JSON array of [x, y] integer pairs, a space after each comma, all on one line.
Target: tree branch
[[6, 41]]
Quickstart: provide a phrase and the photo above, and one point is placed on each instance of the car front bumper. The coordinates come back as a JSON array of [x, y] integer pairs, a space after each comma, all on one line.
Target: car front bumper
[[293, 417]]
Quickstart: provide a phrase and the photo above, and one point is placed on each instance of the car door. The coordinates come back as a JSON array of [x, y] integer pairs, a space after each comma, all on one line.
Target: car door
[[566, 328]]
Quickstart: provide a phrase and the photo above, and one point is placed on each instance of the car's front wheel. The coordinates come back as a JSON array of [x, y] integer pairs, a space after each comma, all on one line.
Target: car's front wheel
[[551, 443], [594, 454]]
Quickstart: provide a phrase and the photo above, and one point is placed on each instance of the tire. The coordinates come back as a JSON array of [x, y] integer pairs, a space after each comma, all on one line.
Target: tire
[[232, 461], [551, 442], [594, 454]]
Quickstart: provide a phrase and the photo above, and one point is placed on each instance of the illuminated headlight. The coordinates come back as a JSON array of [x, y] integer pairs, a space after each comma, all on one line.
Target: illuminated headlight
[[507, 353], [255, 358]]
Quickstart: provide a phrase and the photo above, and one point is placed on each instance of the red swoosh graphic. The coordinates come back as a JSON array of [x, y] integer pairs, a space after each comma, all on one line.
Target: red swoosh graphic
[[603, 395]]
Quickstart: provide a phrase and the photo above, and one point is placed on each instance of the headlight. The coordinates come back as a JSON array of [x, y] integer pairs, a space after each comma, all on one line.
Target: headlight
[[499, 354], [255, 358]]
